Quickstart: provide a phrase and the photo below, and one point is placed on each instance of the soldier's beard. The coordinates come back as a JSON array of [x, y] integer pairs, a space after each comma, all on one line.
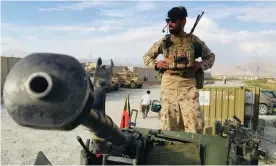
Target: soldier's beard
[[176, 30]]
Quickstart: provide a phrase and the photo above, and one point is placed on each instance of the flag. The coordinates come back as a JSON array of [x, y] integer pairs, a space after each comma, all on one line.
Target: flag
[[126, 114]]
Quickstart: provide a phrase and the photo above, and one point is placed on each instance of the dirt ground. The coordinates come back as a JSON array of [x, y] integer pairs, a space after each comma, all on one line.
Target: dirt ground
[[19, 145]]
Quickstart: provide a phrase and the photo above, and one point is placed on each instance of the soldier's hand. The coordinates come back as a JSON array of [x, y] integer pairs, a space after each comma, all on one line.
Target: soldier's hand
[[198, 65], [162, 64]]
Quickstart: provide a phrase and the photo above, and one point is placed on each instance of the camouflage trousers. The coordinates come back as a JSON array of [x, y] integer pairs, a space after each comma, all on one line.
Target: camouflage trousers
[[181, 110]]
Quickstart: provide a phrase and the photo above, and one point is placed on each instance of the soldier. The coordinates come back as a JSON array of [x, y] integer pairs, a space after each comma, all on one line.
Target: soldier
[[179, 91]]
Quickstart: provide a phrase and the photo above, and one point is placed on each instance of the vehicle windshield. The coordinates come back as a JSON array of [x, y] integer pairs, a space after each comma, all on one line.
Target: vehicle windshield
[[274, 93], [270, 93]]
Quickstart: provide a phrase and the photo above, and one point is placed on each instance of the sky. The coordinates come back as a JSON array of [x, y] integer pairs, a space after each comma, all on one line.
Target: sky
[[124, 31]]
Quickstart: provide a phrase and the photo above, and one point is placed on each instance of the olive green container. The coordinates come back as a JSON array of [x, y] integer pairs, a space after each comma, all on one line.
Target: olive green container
[[221, 103]]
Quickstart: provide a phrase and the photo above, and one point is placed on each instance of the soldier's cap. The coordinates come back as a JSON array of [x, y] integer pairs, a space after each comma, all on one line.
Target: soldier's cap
[[177, 13]]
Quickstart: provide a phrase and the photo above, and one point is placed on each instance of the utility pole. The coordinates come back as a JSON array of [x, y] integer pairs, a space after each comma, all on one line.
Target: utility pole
[[90, 56], [258, 71]]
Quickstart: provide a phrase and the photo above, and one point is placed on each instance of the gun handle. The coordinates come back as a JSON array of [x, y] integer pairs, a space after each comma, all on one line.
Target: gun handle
[[237, 119]]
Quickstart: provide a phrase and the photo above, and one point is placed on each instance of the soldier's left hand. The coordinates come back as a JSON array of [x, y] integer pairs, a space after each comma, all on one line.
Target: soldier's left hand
[[198, 65]]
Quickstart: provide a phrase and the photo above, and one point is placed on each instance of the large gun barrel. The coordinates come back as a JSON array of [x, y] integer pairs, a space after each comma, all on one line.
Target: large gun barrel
[[53, 92]]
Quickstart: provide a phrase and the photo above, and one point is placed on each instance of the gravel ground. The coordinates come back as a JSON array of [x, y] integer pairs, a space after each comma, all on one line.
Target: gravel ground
[[270, 132], [20, 145]]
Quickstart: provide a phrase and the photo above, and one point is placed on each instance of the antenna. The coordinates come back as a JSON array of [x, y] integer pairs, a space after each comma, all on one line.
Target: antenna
[[90, 56], [196, 22]]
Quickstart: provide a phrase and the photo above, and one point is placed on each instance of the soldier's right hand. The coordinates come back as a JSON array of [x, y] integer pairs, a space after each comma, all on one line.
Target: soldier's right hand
[[162, 64]]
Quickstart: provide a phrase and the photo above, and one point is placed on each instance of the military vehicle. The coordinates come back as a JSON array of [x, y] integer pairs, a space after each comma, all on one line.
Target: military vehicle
[[267, 102], [114, 82], [129, 79], [50, 91]]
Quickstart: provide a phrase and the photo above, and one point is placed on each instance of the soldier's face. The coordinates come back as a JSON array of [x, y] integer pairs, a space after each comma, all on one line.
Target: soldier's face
[[175, 26]]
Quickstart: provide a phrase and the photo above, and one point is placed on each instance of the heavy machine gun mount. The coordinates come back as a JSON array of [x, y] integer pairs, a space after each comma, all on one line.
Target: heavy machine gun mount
[[53, 92]]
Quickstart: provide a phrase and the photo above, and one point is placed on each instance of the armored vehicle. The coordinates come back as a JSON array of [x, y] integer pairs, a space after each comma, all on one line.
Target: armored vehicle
[[129, 79], [114, 82], [53, 92]]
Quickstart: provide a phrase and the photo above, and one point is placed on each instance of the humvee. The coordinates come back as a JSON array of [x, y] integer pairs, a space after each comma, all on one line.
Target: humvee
[[129, 79]]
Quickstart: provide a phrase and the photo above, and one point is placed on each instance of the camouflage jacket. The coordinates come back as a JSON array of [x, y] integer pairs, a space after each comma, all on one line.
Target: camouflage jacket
[[208, 57]]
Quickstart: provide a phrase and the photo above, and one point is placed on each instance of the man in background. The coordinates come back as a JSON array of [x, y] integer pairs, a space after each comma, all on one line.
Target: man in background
[[145, 104]]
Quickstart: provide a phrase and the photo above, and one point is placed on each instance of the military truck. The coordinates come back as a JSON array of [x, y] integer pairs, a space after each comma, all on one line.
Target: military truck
[[114, 83], [129, 79]]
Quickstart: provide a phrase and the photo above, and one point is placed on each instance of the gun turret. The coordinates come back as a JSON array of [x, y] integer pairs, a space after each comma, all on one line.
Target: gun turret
[[53, 92]]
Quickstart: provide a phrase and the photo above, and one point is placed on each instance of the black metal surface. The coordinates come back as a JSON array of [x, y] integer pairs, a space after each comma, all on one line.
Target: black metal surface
[[52, 91], [103, 127], [47, 91], [41, 159], [101, 82]]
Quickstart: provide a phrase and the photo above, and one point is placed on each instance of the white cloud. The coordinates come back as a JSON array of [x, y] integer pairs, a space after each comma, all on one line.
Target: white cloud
[[145, 6], [257, 47], [129, 11], [141, 6], [31, 38], [81, 28], [6, 40], [102, 26], [9, 27], [75, 6], [115, 13], [265, 15], [51, 9], [259, 12], [109, 28], [262, 13], [132, 44]]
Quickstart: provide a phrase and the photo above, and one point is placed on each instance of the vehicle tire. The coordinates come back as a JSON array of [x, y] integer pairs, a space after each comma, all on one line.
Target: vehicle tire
[[132, 85], [263, 109]]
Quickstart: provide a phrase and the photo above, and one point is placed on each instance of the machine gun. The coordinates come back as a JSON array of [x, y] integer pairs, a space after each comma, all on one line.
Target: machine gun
[[53, 92], [243, 143]]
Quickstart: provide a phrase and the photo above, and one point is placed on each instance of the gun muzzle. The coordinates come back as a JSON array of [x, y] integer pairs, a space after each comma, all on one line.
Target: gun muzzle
[[53, 92]]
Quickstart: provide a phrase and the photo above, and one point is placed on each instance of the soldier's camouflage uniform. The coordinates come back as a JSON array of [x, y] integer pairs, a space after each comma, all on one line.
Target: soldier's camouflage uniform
[[179, 95]]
